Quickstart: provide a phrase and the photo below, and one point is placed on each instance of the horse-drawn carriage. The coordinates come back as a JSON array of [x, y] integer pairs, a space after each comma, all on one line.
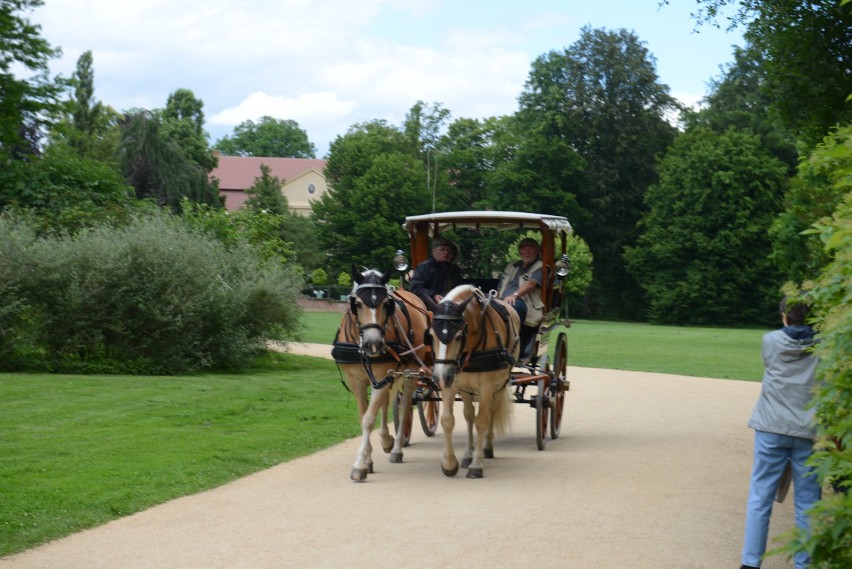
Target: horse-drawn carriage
[[471, 347]]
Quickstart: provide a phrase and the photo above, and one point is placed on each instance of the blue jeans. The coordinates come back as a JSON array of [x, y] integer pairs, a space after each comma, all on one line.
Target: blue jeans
[[771, 452]]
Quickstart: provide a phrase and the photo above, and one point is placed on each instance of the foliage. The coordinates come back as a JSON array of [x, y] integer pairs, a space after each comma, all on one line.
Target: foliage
[[183, 124], [261, 229], [319, 277], [26, 105], [602, 99], [88, 126], [738, 99], [808, 41], [374, 183], [830, 539], [344, 279], [152, 296], [268, 137], [158, 168], [702, 257], [266, 193], [64, 191], [302, 236], [811, 196]]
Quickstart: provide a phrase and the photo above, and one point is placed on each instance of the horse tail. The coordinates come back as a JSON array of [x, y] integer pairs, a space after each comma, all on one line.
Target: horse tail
[[502, 410]]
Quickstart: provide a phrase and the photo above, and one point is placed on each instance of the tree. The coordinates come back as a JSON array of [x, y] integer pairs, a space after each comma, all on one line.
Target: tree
[[267, 193], [157, 166], [703, 256], [602, 100], [26, 105], [64, 191], [269, 137], [374, 183], [808, 60], [811, 196], [183, 123], [89, 127], [739, 99]]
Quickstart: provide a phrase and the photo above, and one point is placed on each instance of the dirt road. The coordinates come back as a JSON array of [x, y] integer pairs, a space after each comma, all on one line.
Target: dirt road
[[651, 471]]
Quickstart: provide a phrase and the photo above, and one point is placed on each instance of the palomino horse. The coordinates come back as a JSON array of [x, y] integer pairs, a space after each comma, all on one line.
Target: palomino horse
[[380, 334], [474, 343]]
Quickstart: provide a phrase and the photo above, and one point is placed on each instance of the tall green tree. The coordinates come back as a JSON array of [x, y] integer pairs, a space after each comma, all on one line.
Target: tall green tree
[[267, 193], [183, 124], [602, 99], [374, 183], [703, 256], [91, 128], [268, 137], [28, 104], [157, 166], [807, 55], [739, 99]]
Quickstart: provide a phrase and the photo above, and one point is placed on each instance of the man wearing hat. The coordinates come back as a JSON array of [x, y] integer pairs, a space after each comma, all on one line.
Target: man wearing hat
[[438, 274], [520, 284]]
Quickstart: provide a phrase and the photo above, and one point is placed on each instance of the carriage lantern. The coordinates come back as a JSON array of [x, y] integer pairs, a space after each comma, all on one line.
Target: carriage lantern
[[563, 266], [400, 263]]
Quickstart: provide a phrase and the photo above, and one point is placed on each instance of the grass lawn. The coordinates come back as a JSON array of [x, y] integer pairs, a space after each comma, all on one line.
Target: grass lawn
[[77, 451]]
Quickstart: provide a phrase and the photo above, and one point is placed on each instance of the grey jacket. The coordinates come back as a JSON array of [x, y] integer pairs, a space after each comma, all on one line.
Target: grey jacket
[[788, 384]]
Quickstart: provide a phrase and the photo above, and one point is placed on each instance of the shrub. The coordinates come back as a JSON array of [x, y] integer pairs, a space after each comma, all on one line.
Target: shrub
[[153, 296]]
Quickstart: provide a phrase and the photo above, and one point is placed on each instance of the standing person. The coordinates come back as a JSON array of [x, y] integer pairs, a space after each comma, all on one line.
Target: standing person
[[520, 284], [437, 275], [784, 429]]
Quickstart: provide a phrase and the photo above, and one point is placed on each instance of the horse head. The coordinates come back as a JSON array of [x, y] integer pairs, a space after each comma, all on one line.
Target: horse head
[[371, 306], [450, 329]]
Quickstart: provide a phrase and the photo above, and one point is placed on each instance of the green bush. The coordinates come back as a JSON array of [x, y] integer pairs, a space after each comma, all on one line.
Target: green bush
[[153, 296]]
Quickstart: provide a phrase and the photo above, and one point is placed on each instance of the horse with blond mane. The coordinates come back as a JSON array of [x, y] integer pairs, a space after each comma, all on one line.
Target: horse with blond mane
[[475, 343], [379, 347]]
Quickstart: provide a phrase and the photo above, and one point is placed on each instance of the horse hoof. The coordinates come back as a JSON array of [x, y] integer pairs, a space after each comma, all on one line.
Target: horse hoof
[[370, 468], [475, 473], [358, 474], [488, 452], [395, 457], [466, 462], [450, 472]]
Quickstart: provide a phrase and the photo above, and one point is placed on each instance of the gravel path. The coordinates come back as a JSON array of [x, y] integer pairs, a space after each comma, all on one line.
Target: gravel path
[[651, 471]]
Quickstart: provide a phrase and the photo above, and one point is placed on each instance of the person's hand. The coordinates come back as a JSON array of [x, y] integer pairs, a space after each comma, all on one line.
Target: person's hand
[[438, 298], [512, 298]]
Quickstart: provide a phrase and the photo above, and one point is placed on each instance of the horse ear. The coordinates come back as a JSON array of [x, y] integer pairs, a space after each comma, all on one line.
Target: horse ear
[[391, 305], [464, 304], [357, 277], [386, 277], [352, 306], [430, 304]]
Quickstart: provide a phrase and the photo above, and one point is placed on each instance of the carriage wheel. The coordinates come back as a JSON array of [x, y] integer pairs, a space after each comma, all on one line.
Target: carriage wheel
[[409, 418], [558, 387], [430, 413], [541, 415]]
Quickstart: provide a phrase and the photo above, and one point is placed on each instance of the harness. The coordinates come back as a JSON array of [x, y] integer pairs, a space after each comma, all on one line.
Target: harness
[[350, 351]]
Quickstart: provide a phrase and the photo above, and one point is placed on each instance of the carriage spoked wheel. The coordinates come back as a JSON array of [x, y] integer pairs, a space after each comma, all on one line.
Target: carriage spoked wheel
[[409, 419], [559, 384], [430, 413], [541, 410]]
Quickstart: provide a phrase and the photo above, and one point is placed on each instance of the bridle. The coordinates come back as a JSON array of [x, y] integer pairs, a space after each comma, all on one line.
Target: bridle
[[454, 325], [371, 301]]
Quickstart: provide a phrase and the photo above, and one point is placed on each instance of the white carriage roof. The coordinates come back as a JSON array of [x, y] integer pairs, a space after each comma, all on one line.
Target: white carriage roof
[[496, 219]]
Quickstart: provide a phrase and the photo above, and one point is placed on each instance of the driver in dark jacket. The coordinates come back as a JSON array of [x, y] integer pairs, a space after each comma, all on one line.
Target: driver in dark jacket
[[439, 274]]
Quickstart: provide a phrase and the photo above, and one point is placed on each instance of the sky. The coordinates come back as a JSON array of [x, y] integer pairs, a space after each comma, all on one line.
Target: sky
[[332, 64]]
